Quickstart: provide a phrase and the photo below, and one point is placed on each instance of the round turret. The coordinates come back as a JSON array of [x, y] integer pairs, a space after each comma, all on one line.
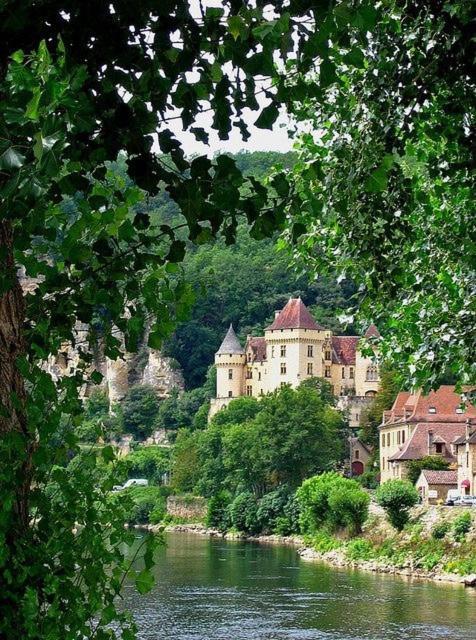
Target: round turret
[[230, 361]]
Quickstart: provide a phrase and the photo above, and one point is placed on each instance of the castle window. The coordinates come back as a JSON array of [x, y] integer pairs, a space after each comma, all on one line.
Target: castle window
[[310, 351], [283, 351], [327, 355], [249, 390], [388, 439], [438, 447], [259, 375], [249, 373], [283, 384], [356, 454], [403, 437], [398, 437], [230, 394], [383, 464], [261, 392], [272, 351], [343, 373], [283, 367], [230, 374], [383, 439], [249, 356], [327, 372], [351, 373], [309, 368], [372, 373]]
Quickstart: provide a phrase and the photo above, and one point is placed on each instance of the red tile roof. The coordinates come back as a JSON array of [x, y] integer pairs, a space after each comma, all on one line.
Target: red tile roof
[[343, 349], [415, 407], [441, 477], [418, 444], [295, 315], [372, 332], [258, 348]]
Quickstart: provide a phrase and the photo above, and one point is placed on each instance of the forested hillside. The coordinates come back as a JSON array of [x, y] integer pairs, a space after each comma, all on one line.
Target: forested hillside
[[243, 283]]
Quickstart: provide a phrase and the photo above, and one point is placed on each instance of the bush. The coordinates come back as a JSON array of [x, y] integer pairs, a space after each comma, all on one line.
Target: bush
[[461, 526], [415, 467], [147, 503], [324, 542], [217, 512], [271, 507], [288, 523], [397, 497], [243, 512], [369, 479], [348, 507], [359, 549], [440, 530], [333, 501]]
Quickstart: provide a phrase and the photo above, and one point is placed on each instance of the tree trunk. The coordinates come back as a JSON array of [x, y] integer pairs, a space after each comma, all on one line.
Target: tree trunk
[[17, 452]]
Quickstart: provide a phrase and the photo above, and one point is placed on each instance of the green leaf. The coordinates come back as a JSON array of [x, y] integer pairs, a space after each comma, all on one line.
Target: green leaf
[[107, 453], [216, 72], [237, 27], [267, 117], [11, 159], [144, 581]]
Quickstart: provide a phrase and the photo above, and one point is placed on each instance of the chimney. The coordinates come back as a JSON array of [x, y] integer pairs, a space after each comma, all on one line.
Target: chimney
[[430, 440]]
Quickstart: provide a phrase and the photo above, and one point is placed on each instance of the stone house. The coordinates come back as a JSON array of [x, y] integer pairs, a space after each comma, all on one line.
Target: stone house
[[359, 456], [433, 486], [295, 347], [466, 455], [420, 425]]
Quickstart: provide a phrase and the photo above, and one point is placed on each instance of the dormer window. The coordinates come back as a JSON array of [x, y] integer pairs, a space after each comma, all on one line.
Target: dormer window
[[459, 410], [438, 447], [431, 409]]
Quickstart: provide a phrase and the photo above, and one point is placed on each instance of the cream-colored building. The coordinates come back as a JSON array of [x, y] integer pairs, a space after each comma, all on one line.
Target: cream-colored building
[[466, 456], [294, 348], [420, 425]]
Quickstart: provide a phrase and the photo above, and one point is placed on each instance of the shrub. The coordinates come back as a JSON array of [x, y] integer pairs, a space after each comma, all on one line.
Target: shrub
[[369, 479], [271, 507], [348, 507], [324, 542], [440, 530], [331, 500], [217, 512], [148, 462], [461, 526], [288, 523], [359, 549], [147, 502], [397, 497], [243, 513]]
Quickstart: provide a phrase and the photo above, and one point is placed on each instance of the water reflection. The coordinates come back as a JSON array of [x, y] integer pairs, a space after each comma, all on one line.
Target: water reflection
[[215, 590]]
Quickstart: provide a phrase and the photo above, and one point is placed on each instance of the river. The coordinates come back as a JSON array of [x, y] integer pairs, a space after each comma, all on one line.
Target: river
[[211, 589]]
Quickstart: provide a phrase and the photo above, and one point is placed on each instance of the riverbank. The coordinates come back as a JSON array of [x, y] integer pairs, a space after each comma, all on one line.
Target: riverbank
[[426, 549]]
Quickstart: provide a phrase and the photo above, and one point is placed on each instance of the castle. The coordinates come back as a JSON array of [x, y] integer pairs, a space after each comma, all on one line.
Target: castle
[[295, 347]]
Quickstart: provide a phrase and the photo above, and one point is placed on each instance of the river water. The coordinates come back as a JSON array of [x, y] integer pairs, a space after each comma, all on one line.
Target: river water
[[210, 589]]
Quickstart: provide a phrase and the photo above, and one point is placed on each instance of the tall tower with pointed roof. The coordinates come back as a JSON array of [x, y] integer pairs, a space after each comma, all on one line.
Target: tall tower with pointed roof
[[230, 361]]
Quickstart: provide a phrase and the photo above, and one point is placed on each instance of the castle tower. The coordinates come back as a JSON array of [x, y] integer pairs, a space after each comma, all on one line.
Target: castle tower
[[230, 361], [294, 344]]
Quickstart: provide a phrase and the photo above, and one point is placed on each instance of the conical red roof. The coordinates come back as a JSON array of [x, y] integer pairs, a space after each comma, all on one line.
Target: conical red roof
[[295, 315]]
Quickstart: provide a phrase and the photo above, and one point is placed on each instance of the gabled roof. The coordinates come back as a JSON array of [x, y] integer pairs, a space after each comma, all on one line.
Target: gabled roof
[[230, 343], [442, 405], [417, 445], [355, 441], [344, 349], [372, 332], [444, 476], [295, 315], [258, 348], [464, 439]]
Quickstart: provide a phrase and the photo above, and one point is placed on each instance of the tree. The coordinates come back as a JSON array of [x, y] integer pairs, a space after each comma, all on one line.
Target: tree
[[372, 196], [140, 408], [415, 467], [185, 469], [397, 497], [372, 416]]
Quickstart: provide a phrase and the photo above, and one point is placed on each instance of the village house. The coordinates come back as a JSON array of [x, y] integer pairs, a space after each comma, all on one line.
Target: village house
[[360, 454], [294, 348], [420, 425], [433, 486], [466, 455]]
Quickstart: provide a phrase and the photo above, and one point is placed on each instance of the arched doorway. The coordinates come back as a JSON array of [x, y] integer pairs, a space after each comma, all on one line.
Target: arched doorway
[[357, 468]]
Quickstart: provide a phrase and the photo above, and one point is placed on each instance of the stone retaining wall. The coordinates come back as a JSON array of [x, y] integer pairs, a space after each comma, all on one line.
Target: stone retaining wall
[[189, 507]]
